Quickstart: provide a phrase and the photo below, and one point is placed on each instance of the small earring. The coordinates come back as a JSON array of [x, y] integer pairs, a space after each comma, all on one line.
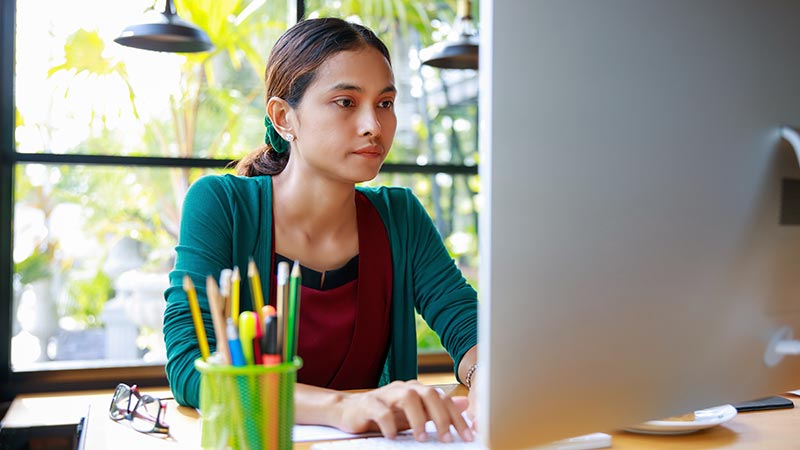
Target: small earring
[[289, 137]]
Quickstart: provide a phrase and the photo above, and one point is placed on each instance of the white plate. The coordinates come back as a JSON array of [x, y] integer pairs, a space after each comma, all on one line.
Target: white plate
[[704, 418]]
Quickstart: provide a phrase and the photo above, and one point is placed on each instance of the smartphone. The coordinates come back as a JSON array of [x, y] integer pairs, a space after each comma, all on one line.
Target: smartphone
[[761, 404]]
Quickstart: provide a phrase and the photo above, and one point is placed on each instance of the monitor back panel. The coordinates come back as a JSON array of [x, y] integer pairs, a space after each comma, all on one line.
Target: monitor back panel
[[638, 248]]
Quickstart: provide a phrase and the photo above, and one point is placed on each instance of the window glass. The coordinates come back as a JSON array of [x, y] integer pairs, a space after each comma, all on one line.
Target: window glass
[[93, 246], [79, 92], [436, 109]]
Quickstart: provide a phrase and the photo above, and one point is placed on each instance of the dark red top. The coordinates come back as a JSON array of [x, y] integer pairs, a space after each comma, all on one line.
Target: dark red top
[[344, 326]]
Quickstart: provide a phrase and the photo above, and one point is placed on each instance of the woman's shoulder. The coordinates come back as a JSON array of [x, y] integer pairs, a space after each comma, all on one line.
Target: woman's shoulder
[[229, 185]]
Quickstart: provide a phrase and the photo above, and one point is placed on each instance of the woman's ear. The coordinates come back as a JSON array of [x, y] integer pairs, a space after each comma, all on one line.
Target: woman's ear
[[280, 113]]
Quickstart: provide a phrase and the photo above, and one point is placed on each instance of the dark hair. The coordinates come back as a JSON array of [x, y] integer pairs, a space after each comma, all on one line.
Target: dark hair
[[291, 68]]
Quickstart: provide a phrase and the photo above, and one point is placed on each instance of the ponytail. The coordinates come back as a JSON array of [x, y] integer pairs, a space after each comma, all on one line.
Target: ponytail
[[262, 161]]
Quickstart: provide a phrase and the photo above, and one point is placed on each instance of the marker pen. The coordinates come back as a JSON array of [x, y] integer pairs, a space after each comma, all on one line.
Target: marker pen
[[234, 345]]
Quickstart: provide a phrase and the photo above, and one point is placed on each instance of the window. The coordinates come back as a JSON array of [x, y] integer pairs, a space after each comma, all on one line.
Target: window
[[100, 142]]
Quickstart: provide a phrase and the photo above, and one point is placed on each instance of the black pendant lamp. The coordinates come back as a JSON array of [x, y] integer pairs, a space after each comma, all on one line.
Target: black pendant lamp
[[460, 49], [167, 33]]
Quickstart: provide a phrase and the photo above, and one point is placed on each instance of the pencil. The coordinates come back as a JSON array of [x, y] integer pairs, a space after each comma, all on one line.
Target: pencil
[[281, 305], [217, 316], [194, 306], [293, 314], [225, 290], [236, 278], [255, 286]]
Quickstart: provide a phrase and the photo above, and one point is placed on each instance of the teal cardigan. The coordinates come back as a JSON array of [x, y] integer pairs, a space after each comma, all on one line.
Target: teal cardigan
[[227, 219]]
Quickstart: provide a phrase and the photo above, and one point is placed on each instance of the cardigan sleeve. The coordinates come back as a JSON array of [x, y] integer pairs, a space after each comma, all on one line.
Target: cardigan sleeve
[[442, 295], [204, 248]]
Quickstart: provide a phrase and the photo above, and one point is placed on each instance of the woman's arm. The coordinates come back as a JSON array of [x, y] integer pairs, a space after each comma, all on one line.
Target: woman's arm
[[395, 407], [443, 296], [204, 248]]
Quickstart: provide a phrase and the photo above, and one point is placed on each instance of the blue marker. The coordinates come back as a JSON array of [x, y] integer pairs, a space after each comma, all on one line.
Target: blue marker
[[235, 346]]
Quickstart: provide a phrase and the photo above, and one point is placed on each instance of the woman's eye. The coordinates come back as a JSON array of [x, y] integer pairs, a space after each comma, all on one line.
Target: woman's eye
[[386, 104], [345, 102]]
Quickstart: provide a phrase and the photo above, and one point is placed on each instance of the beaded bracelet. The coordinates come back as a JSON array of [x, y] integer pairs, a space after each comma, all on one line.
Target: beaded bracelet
[[470, 373]]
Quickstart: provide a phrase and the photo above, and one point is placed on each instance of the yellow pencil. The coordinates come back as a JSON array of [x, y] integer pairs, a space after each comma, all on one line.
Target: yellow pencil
[[202, 340], [236, 278], [255, 286]]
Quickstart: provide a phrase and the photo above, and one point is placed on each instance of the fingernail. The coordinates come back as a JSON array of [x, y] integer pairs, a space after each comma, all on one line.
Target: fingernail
[[421, 437], [468, 436], [447, 437]]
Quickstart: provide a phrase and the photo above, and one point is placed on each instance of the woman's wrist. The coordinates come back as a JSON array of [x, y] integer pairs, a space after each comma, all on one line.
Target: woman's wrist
[[468, 363], [318, 406], [469, 378], [334, 409]]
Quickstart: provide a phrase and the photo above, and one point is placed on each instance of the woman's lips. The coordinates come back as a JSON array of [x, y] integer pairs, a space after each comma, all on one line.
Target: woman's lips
[[370, 151]]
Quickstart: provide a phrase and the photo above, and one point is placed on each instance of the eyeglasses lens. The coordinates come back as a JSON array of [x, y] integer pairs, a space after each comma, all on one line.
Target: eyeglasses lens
[[120, 402], [145, 416]]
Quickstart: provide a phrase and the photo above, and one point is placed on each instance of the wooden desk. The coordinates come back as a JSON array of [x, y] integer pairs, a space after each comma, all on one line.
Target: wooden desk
[[774, 430]]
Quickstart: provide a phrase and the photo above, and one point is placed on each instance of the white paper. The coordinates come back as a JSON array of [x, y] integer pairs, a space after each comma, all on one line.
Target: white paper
[[305, 433]]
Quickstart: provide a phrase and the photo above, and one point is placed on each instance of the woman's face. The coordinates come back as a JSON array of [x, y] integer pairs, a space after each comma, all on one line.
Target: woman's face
[[345, 122]]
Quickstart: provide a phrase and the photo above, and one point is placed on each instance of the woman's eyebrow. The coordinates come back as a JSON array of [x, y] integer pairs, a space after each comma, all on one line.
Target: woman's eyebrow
[[352, 87]]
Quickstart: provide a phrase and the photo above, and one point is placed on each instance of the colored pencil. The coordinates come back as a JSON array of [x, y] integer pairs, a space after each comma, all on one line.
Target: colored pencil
[[225, 290], [255, 286], [194, 306], [217, 316], [293, 313], [282, 305]]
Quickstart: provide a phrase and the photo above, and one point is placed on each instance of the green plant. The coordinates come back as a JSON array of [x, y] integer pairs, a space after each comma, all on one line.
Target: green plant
[[33, 268], [88, 297]]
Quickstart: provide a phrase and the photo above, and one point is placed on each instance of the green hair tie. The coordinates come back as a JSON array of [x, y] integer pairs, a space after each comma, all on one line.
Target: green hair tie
[[273, 138]]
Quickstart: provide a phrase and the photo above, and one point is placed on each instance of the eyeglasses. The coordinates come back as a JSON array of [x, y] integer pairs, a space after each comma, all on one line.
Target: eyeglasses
[[146, 415]]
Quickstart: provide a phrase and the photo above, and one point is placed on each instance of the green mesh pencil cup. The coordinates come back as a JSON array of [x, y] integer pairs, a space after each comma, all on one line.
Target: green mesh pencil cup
[[247, 407]]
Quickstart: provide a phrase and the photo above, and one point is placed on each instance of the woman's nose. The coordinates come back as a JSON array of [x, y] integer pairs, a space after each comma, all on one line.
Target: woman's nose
[[369, 124]]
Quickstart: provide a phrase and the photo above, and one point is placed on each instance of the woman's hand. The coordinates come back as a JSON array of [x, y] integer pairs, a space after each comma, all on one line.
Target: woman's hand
[[400, 406]]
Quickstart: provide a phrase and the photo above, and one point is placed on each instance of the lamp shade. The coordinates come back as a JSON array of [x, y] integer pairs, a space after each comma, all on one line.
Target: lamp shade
[[460, 49], [451, 55], [166, 33]]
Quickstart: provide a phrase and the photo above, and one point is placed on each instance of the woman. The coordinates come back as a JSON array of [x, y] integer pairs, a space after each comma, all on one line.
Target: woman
[[369, 256]]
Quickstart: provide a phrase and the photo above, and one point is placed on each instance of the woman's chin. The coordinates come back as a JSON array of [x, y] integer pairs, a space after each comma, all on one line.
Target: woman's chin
[[363, 175]]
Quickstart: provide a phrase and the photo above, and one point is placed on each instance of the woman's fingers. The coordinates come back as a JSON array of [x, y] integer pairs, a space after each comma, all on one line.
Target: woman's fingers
[[460, 402], [422, 403], [407, 405], [437, 411], [384, 417], [456, 406], [411, 404]]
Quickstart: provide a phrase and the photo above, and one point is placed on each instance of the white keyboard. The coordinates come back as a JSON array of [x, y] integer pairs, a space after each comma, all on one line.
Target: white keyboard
[[406, 440]]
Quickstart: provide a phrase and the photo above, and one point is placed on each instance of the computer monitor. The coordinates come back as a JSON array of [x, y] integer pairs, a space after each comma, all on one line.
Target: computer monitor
[[639, 237]]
